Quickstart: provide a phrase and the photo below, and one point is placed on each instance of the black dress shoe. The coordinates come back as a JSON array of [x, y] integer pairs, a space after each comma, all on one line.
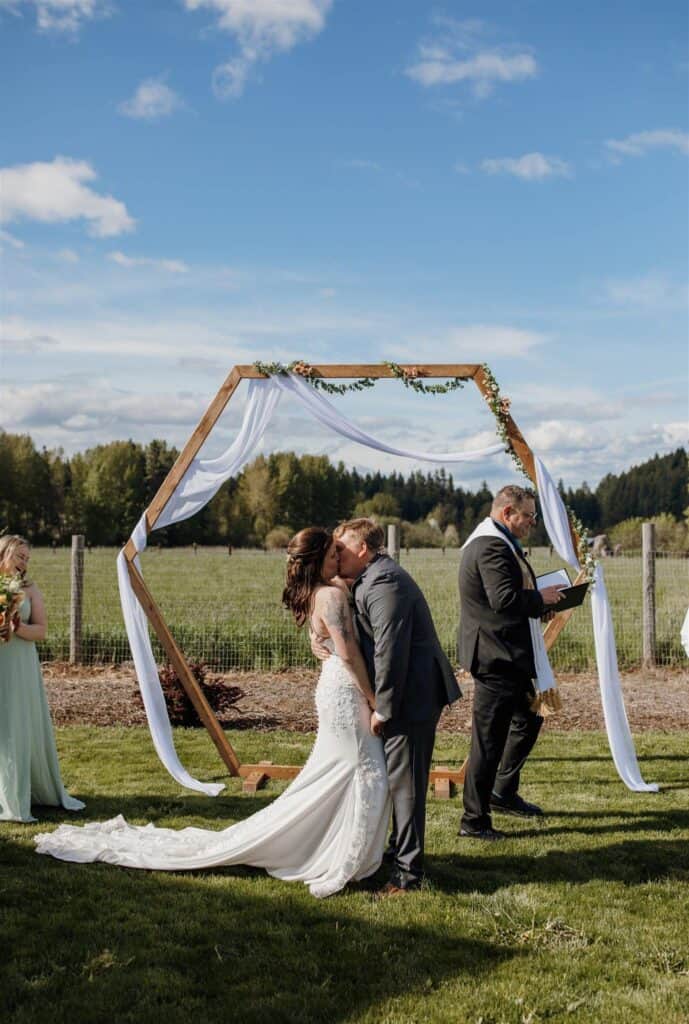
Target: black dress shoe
[[490, 835], [515, 805]]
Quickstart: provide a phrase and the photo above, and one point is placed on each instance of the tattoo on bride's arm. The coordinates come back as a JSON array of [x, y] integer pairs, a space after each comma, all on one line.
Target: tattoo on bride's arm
[[336, 616]]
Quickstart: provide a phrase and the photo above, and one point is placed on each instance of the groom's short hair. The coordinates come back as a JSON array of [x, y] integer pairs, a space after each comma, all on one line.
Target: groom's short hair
[[513, 495], [365, 530]]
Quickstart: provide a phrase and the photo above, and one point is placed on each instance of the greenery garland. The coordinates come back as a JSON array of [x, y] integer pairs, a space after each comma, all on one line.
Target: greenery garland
[[500, 407], [306, 371], [411, 378]]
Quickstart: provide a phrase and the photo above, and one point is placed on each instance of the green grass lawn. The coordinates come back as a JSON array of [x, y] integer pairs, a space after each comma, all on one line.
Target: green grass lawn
[[227, 611], [582, 916]]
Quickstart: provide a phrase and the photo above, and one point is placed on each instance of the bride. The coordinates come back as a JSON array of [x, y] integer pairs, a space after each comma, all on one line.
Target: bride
[[329, 826]]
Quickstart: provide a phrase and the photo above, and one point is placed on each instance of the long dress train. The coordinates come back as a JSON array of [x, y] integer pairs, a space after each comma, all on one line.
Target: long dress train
[[326, 829], [29, 769]]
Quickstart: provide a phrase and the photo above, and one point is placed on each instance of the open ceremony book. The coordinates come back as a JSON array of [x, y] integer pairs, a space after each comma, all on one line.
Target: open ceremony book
[[571, 596]]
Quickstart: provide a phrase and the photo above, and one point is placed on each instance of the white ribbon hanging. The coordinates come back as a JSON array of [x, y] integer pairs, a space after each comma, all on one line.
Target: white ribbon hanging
[[616, 723]]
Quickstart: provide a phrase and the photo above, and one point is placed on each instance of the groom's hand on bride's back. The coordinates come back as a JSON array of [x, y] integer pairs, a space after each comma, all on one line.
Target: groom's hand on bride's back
[[318, 648]]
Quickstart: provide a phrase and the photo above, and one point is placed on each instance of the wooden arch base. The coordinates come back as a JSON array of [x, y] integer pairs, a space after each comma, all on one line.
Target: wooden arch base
[[255, 775]]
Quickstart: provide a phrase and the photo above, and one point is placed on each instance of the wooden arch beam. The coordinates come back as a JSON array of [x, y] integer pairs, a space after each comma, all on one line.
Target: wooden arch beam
[[336, 371]]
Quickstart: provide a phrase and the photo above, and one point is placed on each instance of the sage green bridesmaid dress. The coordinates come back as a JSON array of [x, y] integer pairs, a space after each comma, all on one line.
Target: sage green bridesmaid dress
[[29, 769]]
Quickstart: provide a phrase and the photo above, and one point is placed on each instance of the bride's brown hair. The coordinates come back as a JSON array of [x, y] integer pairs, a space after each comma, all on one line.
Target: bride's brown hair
[[305, 556]]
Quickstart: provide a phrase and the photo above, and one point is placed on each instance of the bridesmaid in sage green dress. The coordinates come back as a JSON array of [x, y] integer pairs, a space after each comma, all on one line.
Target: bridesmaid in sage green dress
[[29, 769]]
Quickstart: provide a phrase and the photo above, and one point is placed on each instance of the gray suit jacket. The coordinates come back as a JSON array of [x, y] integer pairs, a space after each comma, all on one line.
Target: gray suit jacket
[[409, 670]]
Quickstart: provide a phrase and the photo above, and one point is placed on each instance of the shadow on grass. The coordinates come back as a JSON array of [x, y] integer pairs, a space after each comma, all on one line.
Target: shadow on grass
[[632, 862], [617, 821], [606, 758], [96, 943]]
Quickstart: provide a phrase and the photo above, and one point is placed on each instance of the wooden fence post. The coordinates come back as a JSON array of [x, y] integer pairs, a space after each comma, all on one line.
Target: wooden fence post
[[648, 558], [393, 544], [76, 599]]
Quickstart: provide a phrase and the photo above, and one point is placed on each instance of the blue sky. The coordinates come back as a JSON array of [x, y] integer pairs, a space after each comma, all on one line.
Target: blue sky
[[188, 184]]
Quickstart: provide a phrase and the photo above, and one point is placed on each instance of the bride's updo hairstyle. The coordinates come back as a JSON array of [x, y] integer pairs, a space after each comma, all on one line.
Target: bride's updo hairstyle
[[305, 556]]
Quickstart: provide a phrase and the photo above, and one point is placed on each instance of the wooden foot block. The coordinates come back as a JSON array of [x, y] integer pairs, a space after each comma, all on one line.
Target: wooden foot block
[[442, 784], [254, 781]]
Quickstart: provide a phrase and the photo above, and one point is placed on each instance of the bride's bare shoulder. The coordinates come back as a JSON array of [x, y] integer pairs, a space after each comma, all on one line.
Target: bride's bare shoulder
[[328, 595], [342, 583]]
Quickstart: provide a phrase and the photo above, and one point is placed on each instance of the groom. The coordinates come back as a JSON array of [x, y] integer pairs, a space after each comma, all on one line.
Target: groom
[[412, 678]]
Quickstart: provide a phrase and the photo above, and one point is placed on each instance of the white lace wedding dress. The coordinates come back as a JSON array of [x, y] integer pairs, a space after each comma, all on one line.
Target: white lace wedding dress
[[326, 829]]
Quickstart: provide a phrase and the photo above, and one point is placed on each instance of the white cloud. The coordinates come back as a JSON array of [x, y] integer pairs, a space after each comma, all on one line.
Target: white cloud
[[57, 192], [35, 343], [62, 15], [483, 70], [152, 100], [171, 266], [9, 239], [654, 290], [640, 143], [471, 344], [674, 433], [262, 28], [68, 256], [455, 54], [88, 405], [530, 167], [361, 165]]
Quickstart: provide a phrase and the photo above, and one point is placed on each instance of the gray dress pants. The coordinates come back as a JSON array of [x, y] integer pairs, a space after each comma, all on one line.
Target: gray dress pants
[[408, 751]]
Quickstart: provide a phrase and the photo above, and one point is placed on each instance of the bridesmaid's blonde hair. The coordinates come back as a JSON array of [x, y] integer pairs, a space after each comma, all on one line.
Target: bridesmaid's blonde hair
[[8, 545]]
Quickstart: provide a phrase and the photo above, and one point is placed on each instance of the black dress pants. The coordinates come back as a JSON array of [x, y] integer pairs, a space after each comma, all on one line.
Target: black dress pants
[[504, 730]]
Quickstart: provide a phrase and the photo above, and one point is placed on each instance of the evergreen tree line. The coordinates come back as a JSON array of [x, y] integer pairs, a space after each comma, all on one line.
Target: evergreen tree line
[[47, 496], [656, 487]]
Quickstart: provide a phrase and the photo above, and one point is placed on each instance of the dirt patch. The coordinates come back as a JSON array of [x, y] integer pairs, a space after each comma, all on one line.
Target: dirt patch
[[104, 695]]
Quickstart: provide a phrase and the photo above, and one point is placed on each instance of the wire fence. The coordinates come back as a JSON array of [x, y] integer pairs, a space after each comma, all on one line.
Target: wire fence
[[225, 609]]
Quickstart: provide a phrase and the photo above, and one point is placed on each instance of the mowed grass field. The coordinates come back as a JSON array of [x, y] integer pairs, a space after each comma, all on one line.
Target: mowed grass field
[[581, 917], [226, 609]]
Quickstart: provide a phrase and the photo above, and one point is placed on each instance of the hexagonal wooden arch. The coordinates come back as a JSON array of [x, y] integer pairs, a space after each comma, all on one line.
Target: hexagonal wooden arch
[[255, 774]]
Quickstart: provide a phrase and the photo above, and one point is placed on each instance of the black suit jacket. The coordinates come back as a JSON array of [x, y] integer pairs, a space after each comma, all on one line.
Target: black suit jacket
[[494, 634], [408, 668]]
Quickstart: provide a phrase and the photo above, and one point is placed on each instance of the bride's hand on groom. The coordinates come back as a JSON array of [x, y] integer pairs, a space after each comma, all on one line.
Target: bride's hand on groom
[[376, 724]]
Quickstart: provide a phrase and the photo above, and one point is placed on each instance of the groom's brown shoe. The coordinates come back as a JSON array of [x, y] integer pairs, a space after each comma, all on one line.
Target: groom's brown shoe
[[391, 889]]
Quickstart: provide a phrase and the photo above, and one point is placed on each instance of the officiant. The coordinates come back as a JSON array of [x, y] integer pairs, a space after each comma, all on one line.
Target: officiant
[[499, 598]]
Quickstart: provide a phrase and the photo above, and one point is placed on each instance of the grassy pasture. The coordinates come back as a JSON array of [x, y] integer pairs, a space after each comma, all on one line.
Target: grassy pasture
[[580, 917], [227, 610]]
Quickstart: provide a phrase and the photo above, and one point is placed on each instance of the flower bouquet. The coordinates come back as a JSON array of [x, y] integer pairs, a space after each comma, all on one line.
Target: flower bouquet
[[11, 596]]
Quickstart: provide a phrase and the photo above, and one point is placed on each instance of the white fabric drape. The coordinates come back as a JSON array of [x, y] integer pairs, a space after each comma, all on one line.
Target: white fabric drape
[[199, 484], [616, 723], [324, 411], [684, 633]]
